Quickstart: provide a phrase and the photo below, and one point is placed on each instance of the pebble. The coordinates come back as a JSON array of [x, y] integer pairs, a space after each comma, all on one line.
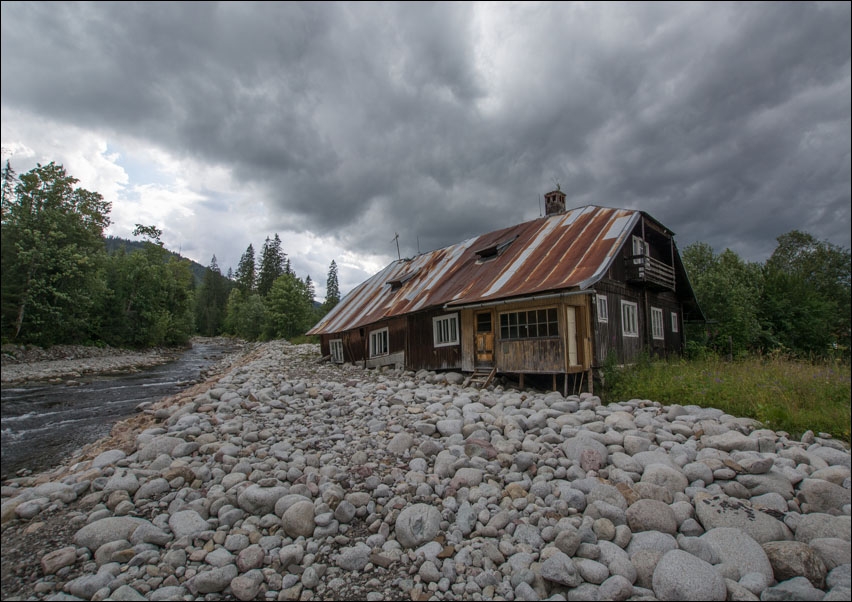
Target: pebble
[[292, 479]]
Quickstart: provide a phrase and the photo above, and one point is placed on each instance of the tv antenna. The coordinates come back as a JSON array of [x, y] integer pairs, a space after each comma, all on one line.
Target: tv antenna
[[396, 238]]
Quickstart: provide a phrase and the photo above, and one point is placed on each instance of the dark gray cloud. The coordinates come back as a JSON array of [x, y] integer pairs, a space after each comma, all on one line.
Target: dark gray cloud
[[730, 123]]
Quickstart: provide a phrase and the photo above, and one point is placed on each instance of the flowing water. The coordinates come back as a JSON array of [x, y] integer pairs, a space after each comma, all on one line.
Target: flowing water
[[43, 424]]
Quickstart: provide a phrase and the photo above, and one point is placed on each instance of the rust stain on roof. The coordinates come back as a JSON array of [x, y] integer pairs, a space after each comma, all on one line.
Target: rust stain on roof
[[571, 250]]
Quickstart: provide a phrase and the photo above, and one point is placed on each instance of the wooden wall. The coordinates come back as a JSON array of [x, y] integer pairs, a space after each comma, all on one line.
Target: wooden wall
[[421, 352]]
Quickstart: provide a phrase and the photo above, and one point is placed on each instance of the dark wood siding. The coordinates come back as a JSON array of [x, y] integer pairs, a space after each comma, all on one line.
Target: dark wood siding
[[422, 353], [541, 356]]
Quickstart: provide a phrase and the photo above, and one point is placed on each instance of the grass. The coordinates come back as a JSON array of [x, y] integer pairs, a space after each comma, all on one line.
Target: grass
[[783, 394]]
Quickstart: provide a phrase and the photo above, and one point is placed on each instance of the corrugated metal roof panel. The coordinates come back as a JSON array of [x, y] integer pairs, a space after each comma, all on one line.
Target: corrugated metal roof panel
[[569, 250]]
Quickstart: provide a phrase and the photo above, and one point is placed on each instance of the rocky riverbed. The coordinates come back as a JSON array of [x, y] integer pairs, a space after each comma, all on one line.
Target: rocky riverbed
[[285, 478], [59, 363]]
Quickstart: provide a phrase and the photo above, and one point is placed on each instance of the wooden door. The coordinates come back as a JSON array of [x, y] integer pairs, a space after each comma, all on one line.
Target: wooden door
[[484, 343]]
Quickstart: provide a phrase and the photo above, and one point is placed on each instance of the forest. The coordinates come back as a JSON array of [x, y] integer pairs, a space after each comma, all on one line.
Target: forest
[[64, 282]]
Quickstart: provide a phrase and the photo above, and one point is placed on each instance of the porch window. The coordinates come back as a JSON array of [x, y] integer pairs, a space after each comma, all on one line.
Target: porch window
[[602, 309], [629, 320], [446, 330], [674, 321], [657, 323], [336, 348], [536, 323], [379, 342], [639, 246]]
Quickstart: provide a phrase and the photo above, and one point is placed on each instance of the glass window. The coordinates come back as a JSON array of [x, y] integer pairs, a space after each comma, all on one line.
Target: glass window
[[657, 323], [446, 330], [533, 324], [379, 342], [602, 309], [674, 321], [629, 319], [336, 348]]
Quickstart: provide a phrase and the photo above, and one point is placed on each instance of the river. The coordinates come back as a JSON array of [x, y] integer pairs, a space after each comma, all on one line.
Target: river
[[43, 424]]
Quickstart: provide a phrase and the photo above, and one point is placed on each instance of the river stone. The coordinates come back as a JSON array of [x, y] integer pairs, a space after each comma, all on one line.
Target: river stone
[[258, 500], [793, 559], [417, 524], [833, 551], [354, 558], [113, 528], [52, 562], [651, 515], [820, 525], [108, 458], [738, 549], [298, 519], [246, 586], [86, 586], [797, 588], [723, 511], [187, 523], [560, 568], [157, 446], [730, 441], [214, 580], [681, 576], [822, 496], [665, 476]]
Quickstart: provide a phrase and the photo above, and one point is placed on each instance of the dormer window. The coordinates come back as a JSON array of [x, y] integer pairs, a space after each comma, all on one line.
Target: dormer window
[[397, 283], [495, 250]]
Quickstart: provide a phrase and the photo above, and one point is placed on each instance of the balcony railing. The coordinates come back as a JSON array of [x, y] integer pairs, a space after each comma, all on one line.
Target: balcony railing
[[641, 269]]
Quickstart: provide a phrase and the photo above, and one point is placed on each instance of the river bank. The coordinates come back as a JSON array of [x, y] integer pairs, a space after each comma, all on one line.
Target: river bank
[[287, 478]]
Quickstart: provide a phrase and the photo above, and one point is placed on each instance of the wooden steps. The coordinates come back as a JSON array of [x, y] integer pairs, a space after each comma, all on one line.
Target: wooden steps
[[481, 377]]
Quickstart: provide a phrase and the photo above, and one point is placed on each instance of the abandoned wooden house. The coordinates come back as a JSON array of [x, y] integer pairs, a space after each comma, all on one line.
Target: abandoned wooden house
[[552, 296]]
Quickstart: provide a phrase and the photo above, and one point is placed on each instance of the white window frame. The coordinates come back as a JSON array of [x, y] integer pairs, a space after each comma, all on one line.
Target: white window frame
[[629, 319], [335, 348], [445, 330], [657, 330], [674, 322], [603, 311], [379, 342], [640, 247]]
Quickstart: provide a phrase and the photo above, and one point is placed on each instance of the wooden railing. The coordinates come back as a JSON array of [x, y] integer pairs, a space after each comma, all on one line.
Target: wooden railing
[[645, 270]]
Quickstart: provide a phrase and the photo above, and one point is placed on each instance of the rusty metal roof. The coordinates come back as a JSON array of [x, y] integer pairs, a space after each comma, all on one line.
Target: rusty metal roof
[[571, 250]]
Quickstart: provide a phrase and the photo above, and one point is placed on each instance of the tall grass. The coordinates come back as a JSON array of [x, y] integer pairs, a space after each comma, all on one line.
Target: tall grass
[[783, 394]]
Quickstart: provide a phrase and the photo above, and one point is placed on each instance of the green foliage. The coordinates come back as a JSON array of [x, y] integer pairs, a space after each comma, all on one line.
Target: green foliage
[[149, 299], [798, 302], [211, 300], [788, 395], [246, 315], [52, 253], [289, 313]]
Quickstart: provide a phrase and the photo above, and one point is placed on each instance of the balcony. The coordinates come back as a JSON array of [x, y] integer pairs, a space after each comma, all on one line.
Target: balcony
[[643, 270]]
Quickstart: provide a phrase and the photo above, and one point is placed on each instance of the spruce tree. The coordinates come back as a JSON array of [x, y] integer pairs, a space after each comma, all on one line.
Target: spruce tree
[[332, 291], [271, 264], [246, 273]]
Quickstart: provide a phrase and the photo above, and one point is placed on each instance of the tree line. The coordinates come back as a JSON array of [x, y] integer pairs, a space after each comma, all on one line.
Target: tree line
[[60, 285], [796, 303]]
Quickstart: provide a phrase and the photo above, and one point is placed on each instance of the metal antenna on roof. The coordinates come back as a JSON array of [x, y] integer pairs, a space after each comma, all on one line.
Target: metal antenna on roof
[[396, 238]]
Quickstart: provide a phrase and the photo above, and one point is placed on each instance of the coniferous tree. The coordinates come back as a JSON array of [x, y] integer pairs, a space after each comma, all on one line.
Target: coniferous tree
[[246, 274], [332, 291], [211, 299], [272, 264], [309, 289]]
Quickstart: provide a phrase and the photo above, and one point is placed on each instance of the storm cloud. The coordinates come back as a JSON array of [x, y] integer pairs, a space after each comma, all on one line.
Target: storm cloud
[[729, 123]]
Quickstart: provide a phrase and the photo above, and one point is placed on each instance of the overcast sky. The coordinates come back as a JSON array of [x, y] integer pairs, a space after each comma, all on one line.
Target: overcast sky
[[339, 125]]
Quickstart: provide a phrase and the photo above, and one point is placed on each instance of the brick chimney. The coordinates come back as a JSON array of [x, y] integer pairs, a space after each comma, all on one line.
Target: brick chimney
[[554, 202]]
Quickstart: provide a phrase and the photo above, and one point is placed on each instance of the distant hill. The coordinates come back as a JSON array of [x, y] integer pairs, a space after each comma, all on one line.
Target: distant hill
[[113, 243]]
